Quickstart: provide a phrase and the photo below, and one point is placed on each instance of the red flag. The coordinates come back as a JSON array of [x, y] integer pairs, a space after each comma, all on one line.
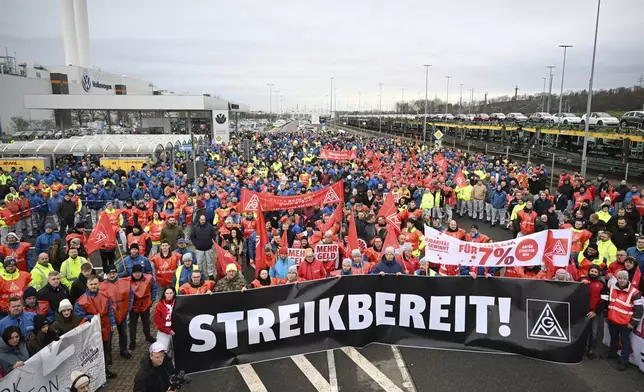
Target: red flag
[[459, 179], [260, 241], [284, 240], [390, 240], [102, 236], [336, 217], [353, 234], [413, 157], [223, 259], [390, 213], [397, 168]]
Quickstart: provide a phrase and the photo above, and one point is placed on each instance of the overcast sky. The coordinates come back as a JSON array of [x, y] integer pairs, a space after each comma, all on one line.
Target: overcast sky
[[234, 48]]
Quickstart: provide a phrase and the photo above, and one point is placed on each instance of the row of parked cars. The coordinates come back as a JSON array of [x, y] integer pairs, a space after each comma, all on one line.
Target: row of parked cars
[[628, 119]]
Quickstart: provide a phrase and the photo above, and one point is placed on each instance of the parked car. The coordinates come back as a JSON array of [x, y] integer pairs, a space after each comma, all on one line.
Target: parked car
[[516, 117], [540, 117], [470, 117], [600, 118], [461, 117], [497, 117], [482, 117], [565, 118], [448, 116], [635, 119]]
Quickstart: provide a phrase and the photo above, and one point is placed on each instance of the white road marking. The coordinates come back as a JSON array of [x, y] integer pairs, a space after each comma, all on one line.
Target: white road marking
[[251, 378], [312, 374], [407, 381], [371, 370], [333, 378]]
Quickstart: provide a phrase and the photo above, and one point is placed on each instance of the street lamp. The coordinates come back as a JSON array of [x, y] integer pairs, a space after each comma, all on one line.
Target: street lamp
[[563, 73], [331, 103], [460, 101], [270, 99], [425, 115], [543, 97], [380, 108], [447, 98], [590, 97], [550, 67]]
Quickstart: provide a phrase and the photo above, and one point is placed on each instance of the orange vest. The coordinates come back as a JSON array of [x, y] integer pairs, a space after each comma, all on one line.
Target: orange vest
[[413, 237], [186, 289], [98, 306], [188, 210], [114, 219], [155, 231], [20, 254], [81, 237], [142, 293], [526, 221], [165, 267], [459, 233], [119, 293], [42, 308], [249, 227], [143, 217], [13, 288], [620, 305], [140, 240]]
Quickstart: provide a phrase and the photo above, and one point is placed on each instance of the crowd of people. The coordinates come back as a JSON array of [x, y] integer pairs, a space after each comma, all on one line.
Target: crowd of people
[[175, 235]]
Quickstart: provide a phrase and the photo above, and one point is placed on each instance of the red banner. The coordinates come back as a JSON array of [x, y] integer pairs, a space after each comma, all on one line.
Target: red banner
[[252, 201], [344, 155]]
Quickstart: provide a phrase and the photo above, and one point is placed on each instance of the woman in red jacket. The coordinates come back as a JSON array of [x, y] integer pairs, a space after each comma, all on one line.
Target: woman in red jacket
[[163, 319]]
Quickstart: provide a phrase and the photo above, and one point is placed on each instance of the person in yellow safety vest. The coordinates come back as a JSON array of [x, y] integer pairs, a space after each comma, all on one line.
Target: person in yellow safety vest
[[183, 273], [432, 201], [3, 177], [5, 216], [71, 268], [603, 214], [516, 209], [40, 272], [607, 250], [465, 194]]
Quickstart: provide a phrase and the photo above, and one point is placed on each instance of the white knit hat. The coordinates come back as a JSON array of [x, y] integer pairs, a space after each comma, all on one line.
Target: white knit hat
[[65, 304], [78, 379]]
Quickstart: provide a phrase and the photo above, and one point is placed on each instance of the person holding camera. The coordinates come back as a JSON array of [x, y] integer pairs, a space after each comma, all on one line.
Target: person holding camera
[[155, 371]]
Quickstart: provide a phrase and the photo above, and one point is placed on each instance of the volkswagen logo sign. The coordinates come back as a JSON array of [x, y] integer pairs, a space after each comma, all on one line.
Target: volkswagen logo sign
[[220, 118], [87, 84]]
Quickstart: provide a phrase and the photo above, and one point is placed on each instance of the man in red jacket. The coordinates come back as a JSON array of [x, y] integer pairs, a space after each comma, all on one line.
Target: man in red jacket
[[311, 269], [597, 287]]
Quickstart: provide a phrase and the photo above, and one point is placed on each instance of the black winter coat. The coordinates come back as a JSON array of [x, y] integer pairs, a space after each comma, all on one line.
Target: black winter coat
[[153, 379]]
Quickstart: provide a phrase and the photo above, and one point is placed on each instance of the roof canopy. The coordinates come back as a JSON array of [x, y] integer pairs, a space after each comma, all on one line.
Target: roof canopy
[[98, 144]]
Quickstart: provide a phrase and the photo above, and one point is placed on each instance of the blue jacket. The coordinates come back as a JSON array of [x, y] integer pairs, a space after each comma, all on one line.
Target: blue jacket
[[123, 194], [37, 203], [79, 310], [392, 267], [638, 254], [280, 269], [95, 201], [25, 322], [125, 268], [498, 199], [628, 197], [138, 194], [53, 203], [184, 276], [44, 241]]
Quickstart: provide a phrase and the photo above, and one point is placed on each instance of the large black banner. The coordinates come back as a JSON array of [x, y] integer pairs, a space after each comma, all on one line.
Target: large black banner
[[540, 319]]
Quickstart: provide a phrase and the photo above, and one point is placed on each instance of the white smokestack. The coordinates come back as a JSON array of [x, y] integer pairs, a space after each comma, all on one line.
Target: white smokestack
[[69, 32], [82, 33]]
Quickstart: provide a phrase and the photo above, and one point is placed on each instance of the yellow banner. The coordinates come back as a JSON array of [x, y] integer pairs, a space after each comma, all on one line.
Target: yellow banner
[[25, 163], [124, 163]]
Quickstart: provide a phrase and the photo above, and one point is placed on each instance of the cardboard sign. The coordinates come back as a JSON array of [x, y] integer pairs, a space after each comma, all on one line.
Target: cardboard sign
[[326, 253], [297, 255]]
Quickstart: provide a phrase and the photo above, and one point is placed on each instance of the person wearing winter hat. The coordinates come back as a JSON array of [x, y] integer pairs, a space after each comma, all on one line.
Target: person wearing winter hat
[[120, 292], [292, 277], [41, 337], [65, 319], [13, 282], [33, 305], [388, 264], [21, 251], [359, 265], [134, 258], [597, 289], [144, 288], [624, 314], [345, 270], [311, 268], [80, 382]]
